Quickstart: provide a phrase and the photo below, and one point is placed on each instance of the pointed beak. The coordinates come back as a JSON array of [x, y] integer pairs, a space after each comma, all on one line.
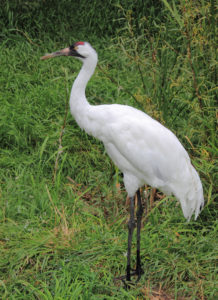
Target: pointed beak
[[63, 52]]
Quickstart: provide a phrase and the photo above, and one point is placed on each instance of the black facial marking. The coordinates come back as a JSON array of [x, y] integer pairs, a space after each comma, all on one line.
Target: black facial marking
[[73, 51]]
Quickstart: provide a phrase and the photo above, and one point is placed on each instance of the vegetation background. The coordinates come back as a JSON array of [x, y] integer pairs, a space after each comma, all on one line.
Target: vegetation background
[[63, 210]]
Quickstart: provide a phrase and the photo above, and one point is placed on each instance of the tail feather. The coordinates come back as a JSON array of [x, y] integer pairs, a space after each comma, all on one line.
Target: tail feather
[[192, 198]]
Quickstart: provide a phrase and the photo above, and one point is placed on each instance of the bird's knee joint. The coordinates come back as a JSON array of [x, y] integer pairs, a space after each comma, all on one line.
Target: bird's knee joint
[[139, 213], [131, 224]]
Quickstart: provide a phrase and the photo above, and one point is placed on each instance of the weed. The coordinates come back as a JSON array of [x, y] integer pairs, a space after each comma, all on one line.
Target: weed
[[63, 215]]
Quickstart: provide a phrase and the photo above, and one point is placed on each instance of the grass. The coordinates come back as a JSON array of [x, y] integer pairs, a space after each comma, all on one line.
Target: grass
[[66, 238]]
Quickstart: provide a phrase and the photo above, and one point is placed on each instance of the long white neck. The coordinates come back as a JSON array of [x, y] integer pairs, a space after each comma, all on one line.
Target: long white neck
[[78, 101]]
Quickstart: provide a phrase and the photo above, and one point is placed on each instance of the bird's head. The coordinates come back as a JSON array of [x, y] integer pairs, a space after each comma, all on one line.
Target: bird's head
[[80, 50]]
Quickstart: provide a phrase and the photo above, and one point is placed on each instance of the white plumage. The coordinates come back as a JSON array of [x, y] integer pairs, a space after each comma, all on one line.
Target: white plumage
[[144, 150]]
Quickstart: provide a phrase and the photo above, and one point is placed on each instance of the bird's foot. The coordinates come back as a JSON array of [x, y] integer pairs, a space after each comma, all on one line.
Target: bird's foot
[[124, 277], [139, 272], [127, 281]]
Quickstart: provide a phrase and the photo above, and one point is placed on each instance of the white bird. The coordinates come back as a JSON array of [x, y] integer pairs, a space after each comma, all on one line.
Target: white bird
[[144, 150]]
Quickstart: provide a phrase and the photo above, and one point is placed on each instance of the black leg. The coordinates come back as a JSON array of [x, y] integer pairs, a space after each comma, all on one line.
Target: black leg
[[139, 213], [131, 226]]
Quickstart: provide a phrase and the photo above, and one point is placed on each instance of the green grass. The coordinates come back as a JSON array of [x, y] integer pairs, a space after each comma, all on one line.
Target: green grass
[[67, 238]]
